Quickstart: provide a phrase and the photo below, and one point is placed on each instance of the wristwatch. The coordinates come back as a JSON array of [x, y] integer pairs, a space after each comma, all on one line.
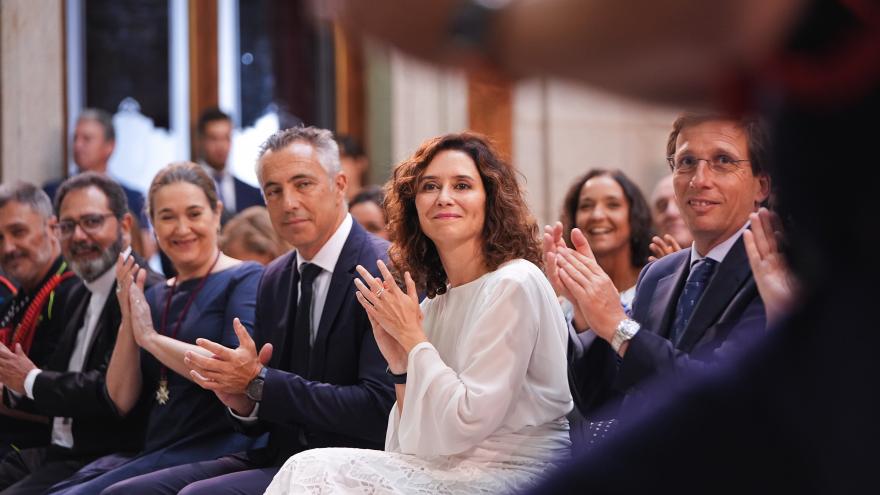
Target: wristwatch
[[254, 390], [395, 378], [626, 330]]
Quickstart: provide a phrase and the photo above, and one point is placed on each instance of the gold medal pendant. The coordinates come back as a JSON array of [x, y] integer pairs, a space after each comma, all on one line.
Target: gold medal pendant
[[162, 393]]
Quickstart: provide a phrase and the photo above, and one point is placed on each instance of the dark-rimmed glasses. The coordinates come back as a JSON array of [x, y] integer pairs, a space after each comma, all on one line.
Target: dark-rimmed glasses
[[90, 223]]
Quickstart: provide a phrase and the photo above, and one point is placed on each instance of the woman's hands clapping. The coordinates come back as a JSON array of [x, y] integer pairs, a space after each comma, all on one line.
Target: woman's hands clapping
[[395, 315], [132, 302]]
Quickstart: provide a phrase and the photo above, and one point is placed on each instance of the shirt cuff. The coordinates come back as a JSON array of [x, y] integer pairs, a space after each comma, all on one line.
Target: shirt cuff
[[250, 418], [29, 382]]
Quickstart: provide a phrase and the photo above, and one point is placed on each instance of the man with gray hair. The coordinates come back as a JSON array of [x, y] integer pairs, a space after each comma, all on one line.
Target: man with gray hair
[[95, 228], [31, 323], [318, 379]]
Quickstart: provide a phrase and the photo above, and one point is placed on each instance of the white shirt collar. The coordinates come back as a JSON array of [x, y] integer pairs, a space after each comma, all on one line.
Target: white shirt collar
[[102, 284], [329, 253], [719, 252]]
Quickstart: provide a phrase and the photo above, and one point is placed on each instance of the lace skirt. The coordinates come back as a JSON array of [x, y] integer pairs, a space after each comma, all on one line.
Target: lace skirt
[[359, 471]]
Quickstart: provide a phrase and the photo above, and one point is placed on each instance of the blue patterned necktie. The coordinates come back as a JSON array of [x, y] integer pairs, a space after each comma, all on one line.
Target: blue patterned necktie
[[696, 283]]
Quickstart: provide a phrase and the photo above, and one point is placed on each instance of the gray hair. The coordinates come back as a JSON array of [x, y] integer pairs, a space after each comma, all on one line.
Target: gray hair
[[101, 117], [27, 194], [320, 139]]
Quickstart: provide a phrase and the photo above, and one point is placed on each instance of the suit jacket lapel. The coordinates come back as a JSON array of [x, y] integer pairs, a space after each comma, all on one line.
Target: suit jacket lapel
[[665, 298], [74, 324], [283, 337], [341, 286], [109, 313], [725, 284]]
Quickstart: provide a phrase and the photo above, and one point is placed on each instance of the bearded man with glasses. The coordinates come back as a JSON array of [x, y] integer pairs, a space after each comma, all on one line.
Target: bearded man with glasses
[[94, 228], [692, 307]]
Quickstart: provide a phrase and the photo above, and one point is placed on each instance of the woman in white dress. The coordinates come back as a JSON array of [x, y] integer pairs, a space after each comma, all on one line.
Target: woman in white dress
[[482, 387]]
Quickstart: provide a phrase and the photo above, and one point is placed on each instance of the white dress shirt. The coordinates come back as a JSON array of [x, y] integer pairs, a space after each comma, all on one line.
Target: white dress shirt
[[719, 252], [62, 428]]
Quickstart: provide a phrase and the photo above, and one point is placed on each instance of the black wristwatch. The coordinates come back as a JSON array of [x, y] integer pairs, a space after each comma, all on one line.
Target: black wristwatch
[[395, 378], [254, 390]]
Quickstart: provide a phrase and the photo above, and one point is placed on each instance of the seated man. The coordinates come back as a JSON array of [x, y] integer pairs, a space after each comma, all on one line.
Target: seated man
[[693, 306], [320, 380], [95, 227], [32, 322]]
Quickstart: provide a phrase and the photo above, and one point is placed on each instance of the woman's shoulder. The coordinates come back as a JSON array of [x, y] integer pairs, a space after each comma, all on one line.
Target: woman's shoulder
[[236, 274], [517, 270]]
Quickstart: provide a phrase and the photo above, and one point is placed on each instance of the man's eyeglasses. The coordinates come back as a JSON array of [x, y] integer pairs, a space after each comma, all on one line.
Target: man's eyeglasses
[[90, 224], [687, 164]]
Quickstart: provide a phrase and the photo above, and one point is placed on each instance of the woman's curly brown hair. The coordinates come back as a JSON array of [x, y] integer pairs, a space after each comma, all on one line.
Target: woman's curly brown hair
[[509, 230]]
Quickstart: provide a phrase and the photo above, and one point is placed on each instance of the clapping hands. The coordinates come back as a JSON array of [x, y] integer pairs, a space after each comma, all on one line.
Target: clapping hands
[[395, 315]]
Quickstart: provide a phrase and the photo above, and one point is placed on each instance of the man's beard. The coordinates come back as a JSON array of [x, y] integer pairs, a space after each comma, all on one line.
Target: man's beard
[[91, 269]]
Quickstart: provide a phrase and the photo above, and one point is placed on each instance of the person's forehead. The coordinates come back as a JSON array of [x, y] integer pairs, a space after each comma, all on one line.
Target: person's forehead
[[295, 156], [14, 213], [663, 189], [219, 125], [713, 132], [84, 199], [89, 126]]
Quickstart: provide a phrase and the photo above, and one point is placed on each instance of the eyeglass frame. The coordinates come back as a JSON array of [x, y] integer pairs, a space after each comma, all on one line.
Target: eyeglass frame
[[715, 168], [79, 222]]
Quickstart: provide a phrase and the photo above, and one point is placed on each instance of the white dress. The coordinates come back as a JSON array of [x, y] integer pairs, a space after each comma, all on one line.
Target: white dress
[[485, 403]]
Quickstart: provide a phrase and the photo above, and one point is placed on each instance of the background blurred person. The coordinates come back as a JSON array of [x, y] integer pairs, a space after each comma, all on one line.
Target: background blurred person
[[215, 143], [354, 163], [367, 208], [479, 368], [185, 423], [94, 139], [672, 232], [249, 236], [32, 322], [95, 228], [611, 211]]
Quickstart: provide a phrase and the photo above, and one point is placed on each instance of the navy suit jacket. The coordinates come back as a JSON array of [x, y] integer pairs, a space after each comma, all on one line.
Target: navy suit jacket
[[728, 316], [246, 195], [347, 396]]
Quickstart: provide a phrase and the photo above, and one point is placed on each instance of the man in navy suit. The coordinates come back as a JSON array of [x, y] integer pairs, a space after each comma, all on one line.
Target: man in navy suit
[[215, 140], [691, 307], [319, 379]]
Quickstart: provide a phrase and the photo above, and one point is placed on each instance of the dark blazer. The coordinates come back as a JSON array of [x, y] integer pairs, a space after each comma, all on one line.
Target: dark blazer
[[347, 396], [728, 316], [246, 195], [78, 395]]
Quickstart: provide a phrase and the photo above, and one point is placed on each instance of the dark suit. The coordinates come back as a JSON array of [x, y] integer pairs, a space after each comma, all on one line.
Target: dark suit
[[343, 402], [58, 392], [729, 314], [246, 195]]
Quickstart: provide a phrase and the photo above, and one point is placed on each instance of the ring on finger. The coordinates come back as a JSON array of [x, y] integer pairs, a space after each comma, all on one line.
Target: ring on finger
[[380, 292]]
